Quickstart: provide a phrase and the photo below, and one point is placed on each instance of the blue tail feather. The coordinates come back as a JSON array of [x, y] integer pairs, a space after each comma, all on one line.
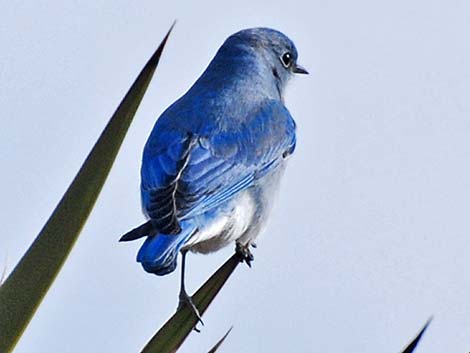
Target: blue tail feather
[[159, 252]]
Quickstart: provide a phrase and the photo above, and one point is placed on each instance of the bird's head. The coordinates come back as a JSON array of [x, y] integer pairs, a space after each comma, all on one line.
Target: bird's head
[[266, 52]]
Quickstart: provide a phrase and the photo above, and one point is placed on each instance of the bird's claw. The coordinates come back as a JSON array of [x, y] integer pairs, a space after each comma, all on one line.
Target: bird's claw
[[245, 254], [185, 299]]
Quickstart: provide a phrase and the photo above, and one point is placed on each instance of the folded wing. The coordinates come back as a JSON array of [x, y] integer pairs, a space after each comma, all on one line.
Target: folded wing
[[185, 174]]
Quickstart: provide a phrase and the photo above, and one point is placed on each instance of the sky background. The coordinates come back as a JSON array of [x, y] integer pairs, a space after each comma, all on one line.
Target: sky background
[[370, 236]]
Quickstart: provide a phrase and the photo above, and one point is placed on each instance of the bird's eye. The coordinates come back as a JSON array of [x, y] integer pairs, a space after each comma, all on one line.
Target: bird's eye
[[286, 59]]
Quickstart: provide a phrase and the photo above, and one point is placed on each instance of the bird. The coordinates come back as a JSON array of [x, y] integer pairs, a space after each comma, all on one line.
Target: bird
[[213, 162]]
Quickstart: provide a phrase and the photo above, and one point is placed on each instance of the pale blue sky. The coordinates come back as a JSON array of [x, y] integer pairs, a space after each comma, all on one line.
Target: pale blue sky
[[371, 232]]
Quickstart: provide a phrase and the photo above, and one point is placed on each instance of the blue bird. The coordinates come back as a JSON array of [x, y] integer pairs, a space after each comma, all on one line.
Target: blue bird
[[214, 159]]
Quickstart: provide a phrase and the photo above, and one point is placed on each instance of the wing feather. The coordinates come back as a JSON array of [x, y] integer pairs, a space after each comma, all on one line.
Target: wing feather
[[187, 174]]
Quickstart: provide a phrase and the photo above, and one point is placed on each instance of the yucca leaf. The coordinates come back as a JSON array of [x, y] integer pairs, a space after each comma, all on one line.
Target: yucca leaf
[[26, 286], [219, 343], [170, 337], [411, 347], [2, 277]]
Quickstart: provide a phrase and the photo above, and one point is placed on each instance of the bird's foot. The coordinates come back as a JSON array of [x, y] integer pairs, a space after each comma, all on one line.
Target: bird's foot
[[245, 253], [185, 299]]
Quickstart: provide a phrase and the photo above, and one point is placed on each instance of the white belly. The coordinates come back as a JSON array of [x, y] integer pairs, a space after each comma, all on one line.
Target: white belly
[[227, 227], [240, 220]]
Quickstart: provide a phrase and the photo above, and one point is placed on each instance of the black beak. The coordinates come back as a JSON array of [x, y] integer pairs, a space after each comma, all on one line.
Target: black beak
[[300, 70]]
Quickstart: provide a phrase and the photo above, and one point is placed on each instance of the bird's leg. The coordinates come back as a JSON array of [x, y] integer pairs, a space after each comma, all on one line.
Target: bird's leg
[[184, 298], [243, 250]]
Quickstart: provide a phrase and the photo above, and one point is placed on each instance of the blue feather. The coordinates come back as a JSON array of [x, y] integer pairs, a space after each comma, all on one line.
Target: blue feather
[[158, 254], [223, 138]]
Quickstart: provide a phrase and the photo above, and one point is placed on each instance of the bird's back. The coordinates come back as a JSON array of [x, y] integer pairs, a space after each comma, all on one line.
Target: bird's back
[[213, 158]]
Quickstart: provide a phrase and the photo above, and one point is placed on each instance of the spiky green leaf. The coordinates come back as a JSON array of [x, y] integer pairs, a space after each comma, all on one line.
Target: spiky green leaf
[[219, 343], [26, 286], [411, 347], [172, 335]]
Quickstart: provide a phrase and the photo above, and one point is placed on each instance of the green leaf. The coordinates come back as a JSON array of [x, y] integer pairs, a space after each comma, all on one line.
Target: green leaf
[[218, 344], [2, 277], [411, 347], [170, 337], [24, 289]]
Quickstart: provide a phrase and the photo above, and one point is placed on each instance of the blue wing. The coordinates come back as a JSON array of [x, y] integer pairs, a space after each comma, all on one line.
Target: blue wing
[[185, 174]]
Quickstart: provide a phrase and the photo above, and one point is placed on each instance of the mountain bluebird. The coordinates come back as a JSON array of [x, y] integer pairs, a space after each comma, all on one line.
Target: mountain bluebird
[[212, 164]]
